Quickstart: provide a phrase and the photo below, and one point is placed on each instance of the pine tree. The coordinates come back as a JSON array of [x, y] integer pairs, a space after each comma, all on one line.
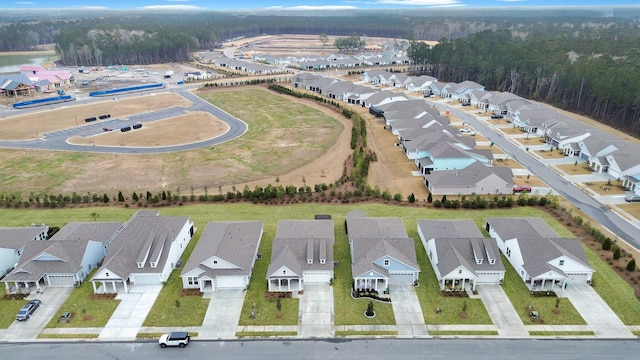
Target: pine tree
[[120, 196], [429, 198], [134, 196], [631, 266]]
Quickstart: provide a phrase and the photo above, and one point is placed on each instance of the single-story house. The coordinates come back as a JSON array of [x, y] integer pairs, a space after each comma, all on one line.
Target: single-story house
[[538, 254], [474, 179], [144, 252], [382, 253], [302, 252], [224, 256], [66, 259], [460, 255], [13, 242]]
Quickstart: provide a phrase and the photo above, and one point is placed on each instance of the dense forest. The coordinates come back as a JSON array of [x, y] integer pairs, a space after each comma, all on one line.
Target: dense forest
[[586, 61]]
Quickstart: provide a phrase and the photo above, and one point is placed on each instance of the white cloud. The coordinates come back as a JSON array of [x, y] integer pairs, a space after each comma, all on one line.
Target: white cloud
[[314, 7], [171, 7], [419, 2]]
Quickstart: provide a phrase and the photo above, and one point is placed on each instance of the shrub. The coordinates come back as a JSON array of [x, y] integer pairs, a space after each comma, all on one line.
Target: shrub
[[606, 245], [616, 253], [631, 266], [437, 203]]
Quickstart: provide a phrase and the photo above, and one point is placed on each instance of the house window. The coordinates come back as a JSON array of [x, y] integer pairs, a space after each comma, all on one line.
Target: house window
[[460, 271], [493, 261], [192, 280], [508, 252], [386, 262], [323, 261], [284, 272], [561, 262], [430, 254], [215, 261], [106, 274]]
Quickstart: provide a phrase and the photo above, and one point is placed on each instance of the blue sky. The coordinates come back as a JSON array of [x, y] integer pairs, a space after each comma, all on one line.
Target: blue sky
[[299, 4]]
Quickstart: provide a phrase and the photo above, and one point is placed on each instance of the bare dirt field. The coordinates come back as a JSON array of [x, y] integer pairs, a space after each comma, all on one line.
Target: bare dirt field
[[36, 124], [193, 127]]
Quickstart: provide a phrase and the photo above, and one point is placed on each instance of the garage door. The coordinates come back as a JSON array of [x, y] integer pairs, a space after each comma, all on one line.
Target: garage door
[[317, 276], [61, 280], [401, 278], [230, 282], [488, 278], [578, 278], [146, 279]]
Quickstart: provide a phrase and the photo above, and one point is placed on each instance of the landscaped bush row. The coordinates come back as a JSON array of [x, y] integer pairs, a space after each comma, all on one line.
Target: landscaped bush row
[[543, 293], [371, 294]]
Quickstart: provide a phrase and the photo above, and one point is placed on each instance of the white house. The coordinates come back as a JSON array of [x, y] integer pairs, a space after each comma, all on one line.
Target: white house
[[460, 255], [302, 252], [224, 256], [538, 254], [144, 252]]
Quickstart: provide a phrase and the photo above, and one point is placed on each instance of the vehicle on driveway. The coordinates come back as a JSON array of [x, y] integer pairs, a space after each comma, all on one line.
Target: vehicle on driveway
[[28, 309], [174, 338], [632, 198], [497, 116], [521, 188]]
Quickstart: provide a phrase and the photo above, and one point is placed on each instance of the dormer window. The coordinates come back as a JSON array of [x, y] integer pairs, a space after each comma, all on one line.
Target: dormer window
[[479, 261], [140, 265], [153, 265], [215, 261], [387, 262], [492, 261], [561, 262], [323, 261], [309, 261]]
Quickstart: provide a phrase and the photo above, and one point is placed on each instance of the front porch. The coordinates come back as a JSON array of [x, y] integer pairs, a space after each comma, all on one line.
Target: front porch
[[285, 284], [542, 284], [376, 284], [110, 286], [25, 287], [448, 285]]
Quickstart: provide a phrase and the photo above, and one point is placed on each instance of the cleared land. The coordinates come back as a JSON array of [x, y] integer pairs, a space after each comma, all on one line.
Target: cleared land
[[195, 126], [36, 124]]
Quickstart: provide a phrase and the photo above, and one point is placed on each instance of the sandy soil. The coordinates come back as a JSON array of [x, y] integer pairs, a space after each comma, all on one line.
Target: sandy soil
[[196, 126], [36, 124]]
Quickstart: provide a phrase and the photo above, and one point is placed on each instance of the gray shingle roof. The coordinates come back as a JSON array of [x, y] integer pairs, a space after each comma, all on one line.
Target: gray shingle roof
[[291, 243], [531, 227], [234, 242], [453, 252], [538, 252], [128, 244], [449, 229], [15, 238]]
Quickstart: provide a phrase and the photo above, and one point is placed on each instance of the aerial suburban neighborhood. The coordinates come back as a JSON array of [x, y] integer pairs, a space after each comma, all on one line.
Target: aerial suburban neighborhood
[[220, 186]]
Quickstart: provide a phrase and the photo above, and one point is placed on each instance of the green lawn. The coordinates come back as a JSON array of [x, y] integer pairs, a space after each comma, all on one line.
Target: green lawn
[[562, 333], [347, 310], [8, 311], [88, 312], [521, 299], [466, 333], [430, 300], [614, 290]]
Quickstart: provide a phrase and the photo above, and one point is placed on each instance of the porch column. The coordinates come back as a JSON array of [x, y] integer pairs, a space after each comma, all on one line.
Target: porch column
[[126, 288], [26, 284], [553, 284], [94, 286], [473, 288], [113, 285], [6, 287], [463, 281]]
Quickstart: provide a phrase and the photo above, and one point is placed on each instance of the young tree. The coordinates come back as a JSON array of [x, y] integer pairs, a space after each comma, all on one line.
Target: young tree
[[324, 39], [631, 266], [616, 254], [606, 245], [120, 196], [135, 197], [429, 198], [105, 198]]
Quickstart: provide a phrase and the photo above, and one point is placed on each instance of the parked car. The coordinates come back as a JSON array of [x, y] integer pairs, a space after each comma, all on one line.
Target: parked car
[[174, 338], [466, 104], [28, 309], [466, 130], [521, 188], [497, 116], [106, 129], [632, 198]]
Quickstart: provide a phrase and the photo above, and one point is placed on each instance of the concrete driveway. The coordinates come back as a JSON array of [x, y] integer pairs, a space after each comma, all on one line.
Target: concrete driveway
[[407, 311], [316, 311], [134, 307], [602, 320], [502, 313], [52, 299], [223, 314]]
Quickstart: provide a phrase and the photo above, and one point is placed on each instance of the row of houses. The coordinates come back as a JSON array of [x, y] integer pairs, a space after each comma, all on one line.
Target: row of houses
[[448, 160], [604, 152], [34, 78], [336, 61], [145, 249], [218, 59]]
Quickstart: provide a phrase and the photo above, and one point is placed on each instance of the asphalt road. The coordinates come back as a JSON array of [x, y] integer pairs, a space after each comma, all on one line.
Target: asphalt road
[[57, 140], [594, 209], [450, 349]]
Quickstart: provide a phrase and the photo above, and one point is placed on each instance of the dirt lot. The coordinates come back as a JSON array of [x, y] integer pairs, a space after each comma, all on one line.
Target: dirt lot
[[47, 120]]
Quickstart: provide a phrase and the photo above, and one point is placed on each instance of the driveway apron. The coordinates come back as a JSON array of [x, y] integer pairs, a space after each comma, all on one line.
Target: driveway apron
[[134, 307], [223, 314], [316, 311], [52, 299], [407, 311], [501, 311], [602, 320]]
